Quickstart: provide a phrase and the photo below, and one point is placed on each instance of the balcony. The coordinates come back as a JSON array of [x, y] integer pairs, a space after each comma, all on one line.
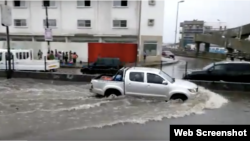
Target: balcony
[[192, 31]]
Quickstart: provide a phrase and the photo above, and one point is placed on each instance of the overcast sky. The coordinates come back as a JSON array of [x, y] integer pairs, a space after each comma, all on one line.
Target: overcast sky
[[233, 12]]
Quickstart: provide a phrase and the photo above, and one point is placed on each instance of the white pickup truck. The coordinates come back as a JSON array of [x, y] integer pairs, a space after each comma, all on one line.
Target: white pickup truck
[[140, 81]]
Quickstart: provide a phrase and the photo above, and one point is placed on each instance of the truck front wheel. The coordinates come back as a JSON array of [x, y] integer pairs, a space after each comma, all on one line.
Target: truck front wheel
[[112, 92], [181, 97]]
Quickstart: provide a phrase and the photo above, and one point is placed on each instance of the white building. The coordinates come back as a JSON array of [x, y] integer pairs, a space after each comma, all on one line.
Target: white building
[[131, 21]]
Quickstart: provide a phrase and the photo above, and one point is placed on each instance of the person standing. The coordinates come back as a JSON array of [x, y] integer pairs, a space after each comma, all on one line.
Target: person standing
[[66, 57], [51, 56], [144, 56], [40, 54], [74, 56]]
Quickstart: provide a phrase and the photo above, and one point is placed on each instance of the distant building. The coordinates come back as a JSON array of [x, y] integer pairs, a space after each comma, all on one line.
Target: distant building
[[188, 31], [190, 28]]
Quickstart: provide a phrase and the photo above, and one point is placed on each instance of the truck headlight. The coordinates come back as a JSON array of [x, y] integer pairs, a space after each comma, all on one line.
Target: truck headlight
[[192, 90]]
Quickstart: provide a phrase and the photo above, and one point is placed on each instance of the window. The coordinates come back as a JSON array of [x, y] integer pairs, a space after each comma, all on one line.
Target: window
[[151, 2], [208, 66], [20, 22], [136, 76], [219, 67], [52, 22], [119, 23], [120, 3], [167, 77], [83, 3], [151, 22], [49, 3], [19, 3], [238, 67], [150, 47], [153, 78], [83, 23], [22, 55], [1, 56]]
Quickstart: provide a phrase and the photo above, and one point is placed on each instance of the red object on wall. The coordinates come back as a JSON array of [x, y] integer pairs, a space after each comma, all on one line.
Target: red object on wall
[[126, 52]]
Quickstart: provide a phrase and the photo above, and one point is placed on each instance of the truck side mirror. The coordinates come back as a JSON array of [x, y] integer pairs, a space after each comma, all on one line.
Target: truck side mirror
[[164, 82]]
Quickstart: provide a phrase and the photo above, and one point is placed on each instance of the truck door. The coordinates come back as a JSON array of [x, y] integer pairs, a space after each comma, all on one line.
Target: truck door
[[135, 83], [155, 87]]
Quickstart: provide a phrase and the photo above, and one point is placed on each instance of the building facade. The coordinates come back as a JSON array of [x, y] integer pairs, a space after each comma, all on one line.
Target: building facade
[[190, 28], [125, 21], [188, 31]]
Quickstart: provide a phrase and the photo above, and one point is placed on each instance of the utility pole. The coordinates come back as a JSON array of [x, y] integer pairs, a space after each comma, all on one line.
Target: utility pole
[[7, 21], [46, 4], [176, 23]]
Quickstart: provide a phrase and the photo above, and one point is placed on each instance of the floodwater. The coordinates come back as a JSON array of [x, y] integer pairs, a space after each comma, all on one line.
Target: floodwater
[[35, 109]]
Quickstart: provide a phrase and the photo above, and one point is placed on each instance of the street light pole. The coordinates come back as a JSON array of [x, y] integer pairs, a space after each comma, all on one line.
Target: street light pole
[[46, 4], [176, 23], [219, 24], [9, 72]]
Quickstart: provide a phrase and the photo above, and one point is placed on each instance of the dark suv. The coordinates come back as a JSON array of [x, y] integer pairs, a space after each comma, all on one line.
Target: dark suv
[[222, 71]]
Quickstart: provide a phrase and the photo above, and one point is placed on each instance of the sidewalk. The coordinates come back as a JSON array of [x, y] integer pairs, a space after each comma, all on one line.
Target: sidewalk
[[164, 61]]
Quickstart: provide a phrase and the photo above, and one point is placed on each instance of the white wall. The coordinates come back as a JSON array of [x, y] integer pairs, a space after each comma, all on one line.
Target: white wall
[[101, 14], [80, 48], [155, 12]]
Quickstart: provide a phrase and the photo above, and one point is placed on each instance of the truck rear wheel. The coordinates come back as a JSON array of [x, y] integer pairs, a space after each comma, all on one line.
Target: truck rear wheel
[[112, 92], [181, 97]]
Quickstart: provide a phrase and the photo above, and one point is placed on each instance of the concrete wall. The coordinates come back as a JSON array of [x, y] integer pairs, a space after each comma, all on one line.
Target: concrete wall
[[155, 12], [242, 45], [80, 48], [233, 32]]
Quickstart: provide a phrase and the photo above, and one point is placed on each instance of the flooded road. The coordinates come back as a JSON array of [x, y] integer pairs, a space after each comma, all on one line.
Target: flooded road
[[35, 109], [177, 70]]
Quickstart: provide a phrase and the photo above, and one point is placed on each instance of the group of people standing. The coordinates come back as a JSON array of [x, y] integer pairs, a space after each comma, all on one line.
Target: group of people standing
[[64, 57]]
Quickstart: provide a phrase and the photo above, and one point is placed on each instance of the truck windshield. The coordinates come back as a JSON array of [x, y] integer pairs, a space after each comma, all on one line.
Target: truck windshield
[[167, 77], [208, 66]]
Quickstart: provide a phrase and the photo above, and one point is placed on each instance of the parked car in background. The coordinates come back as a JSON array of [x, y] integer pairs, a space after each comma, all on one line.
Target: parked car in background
[[145, 82], [222, 71], [103, 65], [168, 54]]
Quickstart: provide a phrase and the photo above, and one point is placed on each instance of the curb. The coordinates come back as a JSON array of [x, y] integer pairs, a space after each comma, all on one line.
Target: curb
[[155, 64], [163, 63]]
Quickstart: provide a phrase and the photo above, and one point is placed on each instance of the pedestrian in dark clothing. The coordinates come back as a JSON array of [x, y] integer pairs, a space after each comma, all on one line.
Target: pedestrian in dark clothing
[[144, 56], [66, 57]]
